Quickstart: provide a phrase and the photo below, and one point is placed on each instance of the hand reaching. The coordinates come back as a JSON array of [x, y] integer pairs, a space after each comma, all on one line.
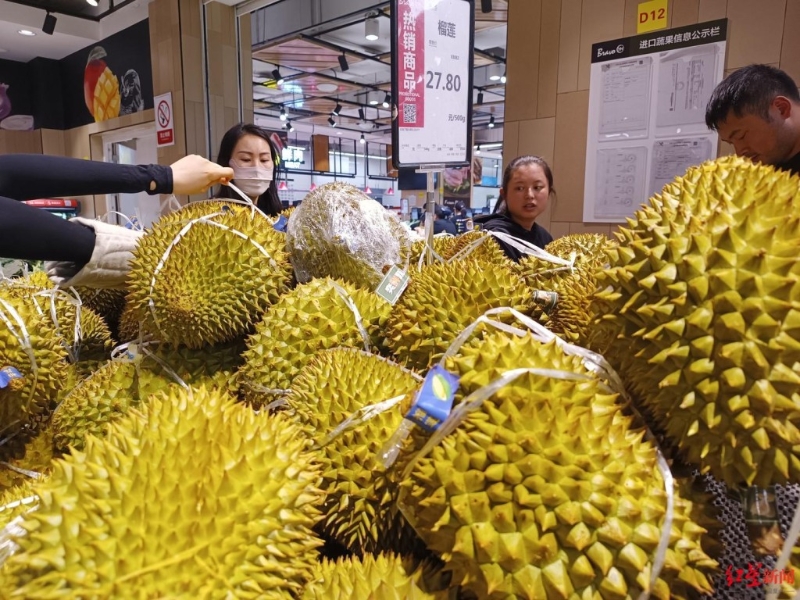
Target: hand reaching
[[194, 174]]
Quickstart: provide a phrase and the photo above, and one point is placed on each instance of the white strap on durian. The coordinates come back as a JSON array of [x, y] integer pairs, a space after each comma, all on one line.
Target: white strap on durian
[[134, 226], [26, 472], [23, 338], [774, 589], [12, 531], [362, 415], [77, 335], [532, 250], [354, 309], [206, 220], [256, 387]]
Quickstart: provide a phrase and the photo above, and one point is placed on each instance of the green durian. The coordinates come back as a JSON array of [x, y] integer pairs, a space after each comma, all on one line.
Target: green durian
[[195, 497], [35, 461], [443, 299], [381, 577], [312, 317], [340, 232], [110, 392], [14, 502], [488, 251], [698, 314], [359, 510], [548, 490], [107, 303], [215, 283]]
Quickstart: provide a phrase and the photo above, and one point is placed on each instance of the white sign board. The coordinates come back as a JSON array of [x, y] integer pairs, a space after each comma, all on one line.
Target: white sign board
[[165, 122], [432, 81], [647, 102]]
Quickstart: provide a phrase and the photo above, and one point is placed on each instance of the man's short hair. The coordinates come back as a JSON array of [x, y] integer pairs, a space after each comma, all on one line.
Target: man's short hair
[[439, 212], [749, 90]]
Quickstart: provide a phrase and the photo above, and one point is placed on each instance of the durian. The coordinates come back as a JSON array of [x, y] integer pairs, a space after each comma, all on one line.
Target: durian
[[699, 316], [216, 280], [547, 490], [14, 502], [196, 497], [35, 462], [340, 232], [107, 303], [443, 299], [442, 245], [488, 250], [312, 317], [109, 393], [359, 510], [381, 577]]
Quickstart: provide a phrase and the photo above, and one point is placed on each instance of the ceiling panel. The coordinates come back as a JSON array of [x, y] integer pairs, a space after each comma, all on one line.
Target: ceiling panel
[[303, 55]]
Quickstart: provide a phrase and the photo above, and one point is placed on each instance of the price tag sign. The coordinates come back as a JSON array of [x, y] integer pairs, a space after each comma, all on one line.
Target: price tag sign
[[432, 82]]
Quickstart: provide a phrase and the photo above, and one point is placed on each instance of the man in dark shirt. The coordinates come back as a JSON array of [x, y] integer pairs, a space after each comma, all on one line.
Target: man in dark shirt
[[440, 222], [757, 110]]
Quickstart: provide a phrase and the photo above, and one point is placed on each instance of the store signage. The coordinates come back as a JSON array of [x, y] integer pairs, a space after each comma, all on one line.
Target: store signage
[[53, 203], [432, 81], [165, 121], [651, 16]]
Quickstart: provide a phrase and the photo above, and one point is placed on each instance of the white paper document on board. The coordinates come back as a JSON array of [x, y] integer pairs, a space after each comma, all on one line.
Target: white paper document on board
[[625, 98], [685, 83], [620, 181], [671, 158]]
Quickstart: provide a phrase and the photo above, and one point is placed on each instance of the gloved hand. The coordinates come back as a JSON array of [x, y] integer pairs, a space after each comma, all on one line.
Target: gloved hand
[[110, 261]]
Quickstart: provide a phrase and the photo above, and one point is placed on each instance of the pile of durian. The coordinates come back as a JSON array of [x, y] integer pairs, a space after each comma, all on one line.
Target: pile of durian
[[222, 428]]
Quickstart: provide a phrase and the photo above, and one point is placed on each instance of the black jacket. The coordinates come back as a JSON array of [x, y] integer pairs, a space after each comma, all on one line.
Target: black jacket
[[443, 226], [34, 234], [792, 165], [538, 235]]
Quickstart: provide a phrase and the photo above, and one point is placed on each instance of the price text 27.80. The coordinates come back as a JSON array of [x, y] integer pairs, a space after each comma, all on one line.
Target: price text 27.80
[[443, 81]]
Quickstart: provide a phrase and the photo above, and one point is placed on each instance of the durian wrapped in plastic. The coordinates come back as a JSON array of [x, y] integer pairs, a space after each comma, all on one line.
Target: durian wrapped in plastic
[[340, 232]]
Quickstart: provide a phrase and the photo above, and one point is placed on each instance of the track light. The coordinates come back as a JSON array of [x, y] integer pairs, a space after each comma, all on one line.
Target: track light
[[361, 114], [362, 140], [283, 114], [343, 63], [373, 98], [495, 72], [503, 77], [478, 149], [372, 29], [387, 100], [276, 75], [49, 25], [491, 122], [338, 109], [289, 125], [480, 97], [91, 2], [331, 121], [486, 6]]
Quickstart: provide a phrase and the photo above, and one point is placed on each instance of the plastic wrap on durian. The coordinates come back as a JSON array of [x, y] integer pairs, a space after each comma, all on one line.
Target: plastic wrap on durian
[[340, 232]]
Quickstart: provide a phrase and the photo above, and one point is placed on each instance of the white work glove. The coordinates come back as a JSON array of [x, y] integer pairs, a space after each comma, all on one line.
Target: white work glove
[[110, 262]]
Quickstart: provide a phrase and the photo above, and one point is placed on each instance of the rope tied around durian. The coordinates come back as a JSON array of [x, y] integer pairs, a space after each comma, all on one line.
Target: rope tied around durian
[[74, 299], [521, 245], [356, 313], [206, 220], [14, 529], [24, 340], [134, 226], [362, 415], [21, 471], [128, 352], [593, 362]]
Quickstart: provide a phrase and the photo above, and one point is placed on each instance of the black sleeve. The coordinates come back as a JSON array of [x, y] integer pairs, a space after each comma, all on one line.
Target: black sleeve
[[28, 176], [30, 233]]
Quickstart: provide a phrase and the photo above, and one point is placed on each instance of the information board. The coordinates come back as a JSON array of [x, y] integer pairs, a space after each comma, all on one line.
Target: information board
[[432, 82], [647, 103]]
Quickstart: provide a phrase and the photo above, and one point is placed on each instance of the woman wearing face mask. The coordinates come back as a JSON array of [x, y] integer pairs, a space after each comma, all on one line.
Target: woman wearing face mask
[[248, 151], [524, 195]]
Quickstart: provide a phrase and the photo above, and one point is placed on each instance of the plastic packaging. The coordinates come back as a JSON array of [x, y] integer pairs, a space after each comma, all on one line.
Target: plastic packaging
[[340, 232]]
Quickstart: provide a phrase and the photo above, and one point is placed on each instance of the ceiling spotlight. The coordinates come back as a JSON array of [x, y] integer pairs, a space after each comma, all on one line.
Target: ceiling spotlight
[[289, 125], [387, 100], [338, 109], [491, 122], [480, 97], [361, 114], [49, 25], [26, 32], [283, 114], [495, 72], [362, 140], [373, 98], [343, 63], [91, 2], [276, 75], [372, 29], [331, 121], [486, 6], [503, 77], [478, 149]]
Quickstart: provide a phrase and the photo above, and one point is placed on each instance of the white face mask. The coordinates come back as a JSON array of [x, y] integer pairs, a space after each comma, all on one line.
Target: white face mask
[[253, 181]]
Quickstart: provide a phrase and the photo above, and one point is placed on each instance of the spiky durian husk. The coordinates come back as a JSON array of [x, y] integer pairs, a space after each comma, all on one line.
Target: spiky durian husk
[[106, 303], [214, 285], [35, 462], [340, 232], [441, 300], [381, 577], [359, 510], [488, 251], [109, 393], [163, 508], [547, 490], [14, 502], [441, 245], [310, 318], [698, 316], [43, 368], [130, 328]]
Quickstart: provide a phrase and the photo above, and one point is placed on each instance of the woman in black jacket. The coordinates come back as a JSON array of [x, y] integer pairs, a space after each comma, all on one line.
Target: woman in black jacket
[[85, 251]]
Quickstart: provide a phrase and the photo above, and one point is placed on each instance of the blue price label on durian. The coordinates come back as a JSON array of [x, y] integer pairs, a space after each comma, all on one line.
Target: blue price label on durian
[[280, 224], [7, 375], [434, 400]]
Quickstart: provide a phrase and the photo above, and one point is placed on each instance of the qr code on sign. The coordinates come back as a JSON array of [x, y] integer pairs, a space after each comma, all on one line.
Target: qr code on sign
[[409, 113]]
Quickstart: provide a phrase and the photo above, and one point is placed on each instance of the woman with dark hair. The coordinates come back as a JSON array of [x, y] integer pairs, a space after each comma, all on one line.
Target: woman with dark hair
[[247, 149], [525, 193]]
